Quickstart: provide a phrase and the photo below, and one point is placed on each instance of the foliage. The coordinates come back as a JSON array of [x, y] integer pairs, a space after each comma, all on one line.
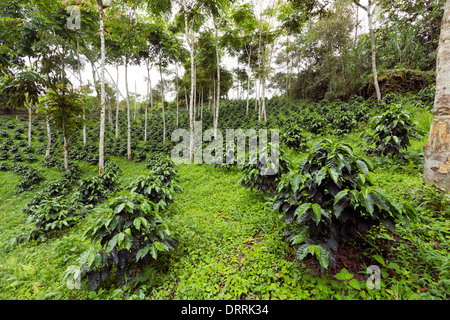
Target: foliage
[[293, 137], [131, 233], [264, 171], [331, 199], [52, 214], [392, 131]]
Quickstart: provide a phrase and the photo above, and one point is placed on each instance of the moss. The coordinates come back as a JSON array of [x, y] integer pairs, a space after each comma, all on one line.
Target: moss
[[401, 81]]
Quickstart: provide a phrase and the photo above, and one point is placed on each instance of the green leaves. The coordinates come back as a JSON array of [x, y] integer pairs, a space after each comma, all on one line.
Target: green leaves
[[391, 132], [334, 200]]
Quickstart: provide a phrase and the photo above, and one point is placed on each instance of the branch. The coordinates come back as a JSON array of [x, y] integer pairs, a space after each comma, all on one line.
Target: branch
[[359, 4]]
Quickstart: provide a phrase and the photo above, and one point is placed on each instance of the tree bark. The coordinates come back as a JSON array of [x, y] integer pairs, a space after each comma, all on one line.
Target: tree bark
[[66, 147], [129, 156], [101, 159], [437, 149], [117, 104], [216, 119], [368, 9], [30, 112], [162, 105], [189, 38], [49, 138], [374, 54]]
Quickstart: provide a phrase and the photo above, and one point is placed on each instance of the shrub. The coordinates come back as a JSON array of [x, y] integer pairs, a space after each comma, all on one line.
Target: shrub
[[131, 233], [52, 214], [294, 138], [154, 190], [30, 178], [18, 157], [4, 155], [332, 199], [261, 174], [4, 166], [391, 132], [51, 162]]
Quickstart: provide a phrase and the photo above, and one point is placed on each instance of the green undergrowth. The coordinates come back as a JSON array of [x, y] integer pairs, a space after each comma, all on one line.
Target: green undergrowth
[[230, 241]]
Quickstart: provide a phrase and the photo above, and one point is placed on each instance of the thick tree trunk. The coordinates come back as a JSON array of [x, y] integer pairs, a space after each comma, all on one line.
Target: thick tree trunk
[[437, 149]]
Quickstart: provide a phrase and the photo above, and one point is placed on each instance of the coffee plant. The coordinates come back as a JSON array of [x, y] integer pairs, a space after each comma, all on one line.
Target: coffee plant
[[392, 131], [294, 138], [131, 233], [330, 200], [52, 214], [261, 174]]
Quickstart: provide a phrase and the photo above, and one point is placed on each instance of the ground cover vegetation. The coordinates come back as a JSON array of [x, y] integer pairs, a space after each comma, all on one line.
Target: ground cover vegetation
[[92, 206]]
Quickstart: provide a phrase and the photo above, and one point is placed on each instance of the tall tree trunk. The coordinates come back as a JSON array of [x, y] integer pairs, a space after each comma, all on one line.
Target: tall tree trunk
[[49, 138], [162, 104], [66, 147], [146, 103], [374, 54], [30, 112], [248, 83], [178, 100], [190, 41], [117, 103], [81, 84], [135, 102], [437, 149], [369, 11], [101, 160], [129, 156], [216, 120]]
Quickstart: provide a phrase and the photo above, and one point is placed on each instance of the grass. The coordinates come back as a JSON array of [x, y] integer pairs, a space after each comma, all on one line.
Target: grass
[[230, 241]]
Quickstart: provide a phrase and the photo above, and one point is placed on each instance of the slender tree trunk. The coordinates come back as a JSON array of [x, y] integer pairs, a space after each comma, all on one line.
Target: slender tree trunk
[[190, 41], [437, 149], [101, 160], [49, 138], [216, 119], [129, 156], [374, 54], [248, 83], [201, 111], [30, 112], [162, 104], [178, 100], [66, 147], [117, 104], [146, 103], [135, 102]]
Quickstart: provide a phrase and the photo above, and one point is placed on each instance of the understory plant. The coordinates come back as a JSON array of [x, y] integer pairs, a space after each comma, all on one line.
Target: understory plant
[[392, 131], [295, 138], [131, 232], [330, 200], [263, 171]]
